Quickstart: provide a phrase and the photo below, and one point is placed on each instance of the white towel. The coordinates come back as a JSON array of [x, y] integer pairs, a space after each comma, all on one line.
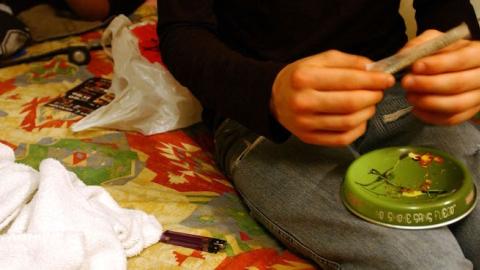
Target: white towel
[[135, 229], [18, 182], [60, 207], [64, 206], [52, 251], [6, 153], [20, 224]]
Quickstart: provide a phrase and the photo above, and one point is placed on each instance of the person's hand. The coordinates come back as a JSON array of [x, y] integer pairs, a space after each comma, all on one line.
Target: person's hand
[[444, 88], [90, 9], [327, 98]]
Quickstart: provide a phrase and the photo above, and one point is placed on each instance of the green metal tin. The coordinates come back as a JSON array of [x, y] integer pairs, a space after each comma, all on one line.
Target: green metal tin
[[409, 188]]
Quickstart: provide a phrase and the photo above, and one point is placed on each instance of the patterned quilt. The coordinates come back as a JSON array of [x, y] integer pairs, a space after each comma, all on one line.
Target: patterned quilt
[[170, 175]]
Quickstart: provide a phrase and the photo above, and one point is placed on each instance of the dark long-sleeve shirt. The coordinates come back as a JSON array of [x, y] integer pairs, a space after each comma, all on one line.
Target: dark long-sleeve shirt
[[228, 52]]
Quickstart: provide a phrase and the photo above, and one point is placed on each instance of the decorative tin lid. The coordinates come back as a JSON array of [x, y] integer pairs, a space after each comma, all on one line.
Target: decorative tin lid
[[409, 188]]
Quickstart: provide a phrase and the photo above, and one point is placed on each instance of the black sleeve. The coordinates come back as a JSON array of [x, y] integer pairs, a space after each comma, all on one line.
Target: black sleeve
[[445, 14], [124, 6], [224, 80]]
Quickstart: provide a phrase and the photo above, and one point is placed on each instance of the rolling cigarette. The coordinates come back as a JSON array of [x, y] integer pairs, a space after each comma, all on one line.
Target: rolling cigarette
[[399, 61]]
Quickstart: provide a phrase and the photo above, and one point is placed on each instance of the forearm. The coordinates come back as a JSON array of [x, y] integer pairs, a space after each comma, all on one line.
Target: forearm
[[224, 80]]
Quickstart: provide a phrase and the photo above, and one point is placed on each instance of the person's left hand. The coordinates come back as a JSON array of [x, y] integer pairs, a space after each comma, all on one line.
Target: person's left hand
[[444, 88]]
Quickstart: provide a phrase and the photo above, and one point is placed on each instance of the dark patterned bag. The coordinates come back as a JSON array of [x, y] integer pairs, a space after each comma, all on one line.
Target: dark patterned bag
[[13, 33]]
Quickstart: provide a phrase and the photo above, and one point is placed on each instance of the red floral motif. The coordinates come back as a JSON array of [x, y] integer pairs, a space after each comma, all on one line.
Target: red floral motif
[[30, 108], [244, 236], [148, 42], [264, 259], [91, 36], [181, 257], [426, 159], [29, 122], [426, 185], [7, 86], [100, 65], [14, 97], [13, 146], [54, 67], [179, 162]]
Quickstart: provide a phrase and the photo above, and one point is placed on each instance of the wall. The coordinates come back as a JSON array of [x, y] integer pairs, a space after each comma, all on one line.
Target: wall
[[476, 5], [408, 12]]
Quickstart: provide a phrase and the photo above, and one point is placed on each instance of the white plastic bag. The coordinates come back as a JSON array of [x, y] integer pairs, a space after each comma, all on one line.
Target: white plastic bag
[[148, 99]]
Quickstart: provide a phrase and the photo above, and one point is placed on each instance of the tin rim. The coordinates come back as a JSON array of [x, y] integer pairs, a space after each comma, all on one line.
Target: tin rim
[[383, 208], [412, 227]]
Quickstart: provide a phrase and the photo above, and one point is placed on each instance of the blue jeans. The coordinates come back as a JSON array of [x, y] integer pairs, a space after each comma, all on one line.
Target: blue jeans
[[293, 190]]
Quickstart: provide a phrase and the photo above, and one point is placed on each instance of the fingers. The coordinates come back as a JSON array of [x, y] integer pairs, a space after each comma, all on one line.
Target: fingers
[[332, 118], [424, 37], [445, 104], [443, 84], [334, 122], [428, 35], [334, 70], [333, 102], [446, 119], [327, 98], [450, 60], [337, 59], [331, 138], [444, 88], [339, 79]]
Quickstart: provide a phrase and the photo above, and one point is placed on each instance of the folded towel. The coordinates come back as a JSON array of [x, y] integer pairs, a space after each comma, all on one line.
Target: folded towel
[[6, 153], [18, 183], [60, 207], [52, 251], [65, 210], [20, 224], [135, 229]]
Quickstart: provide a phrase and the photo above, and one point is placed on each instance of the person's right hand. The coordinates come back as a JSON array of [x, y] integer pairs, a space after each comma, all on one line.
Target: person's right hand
[[327, 99]]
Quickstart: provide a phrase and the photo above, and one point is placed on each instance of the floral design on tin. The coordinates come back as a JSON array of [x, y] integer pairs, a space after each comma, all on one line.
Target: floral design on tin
[[394, 189]]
